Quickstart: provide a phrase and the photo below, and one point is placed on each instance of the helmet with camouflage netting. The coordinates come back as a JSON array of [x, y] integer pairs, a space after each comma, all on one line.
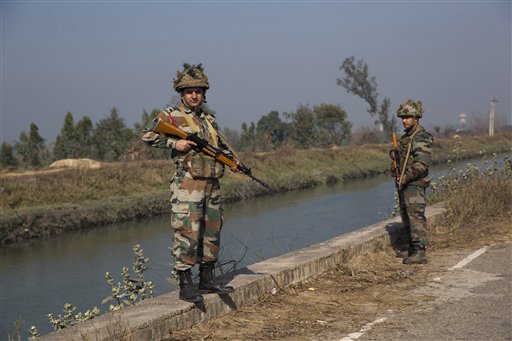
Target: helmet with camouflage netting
[[192, 76], [410, 108]]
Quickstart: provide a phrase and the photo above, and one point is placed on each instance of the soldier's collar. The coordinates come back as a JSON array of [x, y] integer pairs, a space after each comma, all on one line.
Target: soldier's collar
[[187, 110], [413, 129]]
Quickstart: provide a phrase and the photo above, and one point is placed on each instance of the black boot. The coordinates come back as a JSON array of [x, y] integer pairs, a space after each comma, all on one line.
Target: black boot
[[207, 283], [188, 291], [402, 253]]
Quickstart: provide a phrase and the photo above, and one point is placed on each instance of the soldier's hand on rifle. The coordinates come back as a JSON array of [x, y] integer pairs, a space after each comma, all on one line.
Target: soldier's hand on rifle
[[392, 154], [403, 182], [234, 169], [184, 145]]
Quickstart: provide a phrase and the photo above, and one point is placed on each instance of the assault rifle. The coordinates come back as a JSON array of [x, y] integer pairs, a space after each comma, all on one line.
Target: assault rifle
[[202, 146], [396, 159], [398, 171]]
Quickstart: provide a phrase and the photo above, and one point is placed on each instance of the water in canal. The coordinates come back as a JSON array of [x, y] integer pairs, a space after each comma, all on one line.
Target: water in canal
[[37, 278]]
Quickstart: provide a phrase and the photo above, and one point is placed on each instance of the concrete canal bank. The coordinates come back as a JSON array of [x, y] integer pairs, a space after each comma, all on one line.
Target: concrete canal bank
[[156, 318]]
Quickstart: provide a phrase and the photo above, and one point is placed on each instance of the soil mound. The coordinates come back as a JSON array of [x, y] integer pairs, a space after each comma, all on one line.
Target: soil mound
[[76, 163]]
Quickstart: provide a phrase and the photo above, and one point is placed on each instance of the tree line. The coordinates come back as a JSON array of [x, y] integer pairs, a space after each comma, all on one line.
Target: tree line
[[110, 139]]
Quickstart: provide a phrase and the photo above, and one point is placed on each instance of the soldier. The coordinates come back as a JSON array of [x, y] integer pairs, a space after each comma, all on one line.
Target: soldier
[[196, 213], [415, 152]]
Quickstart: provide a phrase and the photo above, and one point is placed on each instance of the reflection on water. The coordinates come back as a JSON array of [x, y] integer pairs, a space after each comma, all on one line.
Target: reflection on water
[[294, 220], [39, 277]]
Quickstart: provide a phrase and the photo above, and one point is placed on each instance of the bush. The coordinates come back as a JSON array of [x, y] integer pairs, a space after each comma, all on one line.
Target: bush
[[476, 193]]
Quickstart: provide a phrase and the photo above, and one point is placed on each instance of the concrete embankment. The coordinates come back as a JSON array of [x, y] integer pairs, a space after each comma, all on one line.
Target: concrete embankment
[[155, 318]]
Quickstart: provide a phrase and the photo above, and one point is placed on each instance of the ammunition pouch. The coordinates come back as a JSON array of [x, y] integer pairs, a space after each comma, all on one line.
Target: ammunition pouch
[[203, 167]]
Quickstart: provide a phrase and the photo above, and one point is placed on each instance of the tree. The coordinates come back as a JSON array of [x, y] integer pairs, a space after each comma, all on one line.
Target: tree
[[303, 131], [31, 148], [111, 138], [320, 126], [66, 142], [138, 150], [145, 119], [83, 133], [271, 130], [247, 137], [232, 136], [23, 149], [365, 135], [358, 82], [74, 141], [7, 156], [333, 124]]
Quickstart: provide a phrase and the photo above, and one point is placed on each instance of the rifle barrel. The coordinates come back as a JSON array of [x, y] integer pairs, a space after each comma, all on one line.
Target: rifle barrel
[[204, 147]]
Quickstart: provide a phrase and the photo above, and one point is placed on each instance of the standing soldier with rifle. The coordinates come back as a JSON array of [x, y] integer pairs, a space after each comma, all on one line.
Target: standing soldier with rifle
[[196, 213], [411, 159]]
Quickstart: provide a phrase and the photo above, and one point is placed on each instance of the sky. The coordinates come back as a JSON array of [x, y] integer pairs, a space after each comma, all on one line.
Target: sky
[[86, 57]]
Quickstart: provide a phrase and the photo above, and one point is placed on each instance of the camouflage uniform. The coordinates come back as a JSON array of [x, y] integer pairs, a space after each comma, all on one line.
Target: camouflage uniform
[[417, 180], [196, 213], [415, 153]]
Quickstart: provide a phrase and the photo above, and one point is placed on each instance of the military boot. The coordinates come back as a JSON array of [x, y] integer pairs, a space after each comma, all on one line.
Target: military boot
[[401, 253], [404, 247], [419, 256], [207, 283], [188, 291]]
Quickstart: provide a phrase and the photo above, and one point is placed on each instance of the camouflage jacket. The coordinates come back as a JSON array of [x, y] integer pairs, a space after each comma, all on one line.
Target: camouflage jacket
[[189, 121], [420, 155]]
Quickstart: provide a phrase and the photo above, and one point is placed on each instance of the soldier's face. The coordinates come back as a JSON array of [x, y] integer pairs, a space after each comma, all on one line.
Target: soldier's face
[[409, 122], [192, 97]]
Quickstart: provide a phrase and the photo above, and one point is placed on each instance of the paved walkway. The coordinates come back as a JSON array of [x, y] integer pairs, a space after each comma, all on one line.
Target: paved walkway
[[472, 294]]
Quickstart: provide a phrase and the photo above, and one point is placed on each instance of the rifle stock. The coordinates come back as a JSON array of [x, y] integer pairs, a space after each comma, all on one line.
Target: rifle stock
[[396, 159], [203, 146]]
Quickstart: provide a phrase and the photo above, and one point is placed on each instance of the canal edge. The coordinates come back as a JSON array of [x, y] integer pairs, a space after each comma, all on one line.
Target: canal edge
[[156, 318]]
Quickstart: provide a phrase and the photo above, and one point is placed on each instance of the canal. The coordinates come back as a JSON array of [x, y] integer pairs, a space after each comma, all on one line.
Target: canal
[[40, 276]]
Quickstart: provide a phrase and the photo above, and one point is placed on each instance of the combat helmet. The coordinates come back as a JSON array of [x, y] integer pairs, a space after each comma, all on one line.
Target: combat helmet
[[410, 108], [192, 76]]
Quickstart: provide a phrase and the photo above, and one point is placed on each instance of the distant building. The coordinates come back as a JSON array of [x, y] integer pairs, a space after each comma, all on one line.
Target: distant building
[[462, 122]]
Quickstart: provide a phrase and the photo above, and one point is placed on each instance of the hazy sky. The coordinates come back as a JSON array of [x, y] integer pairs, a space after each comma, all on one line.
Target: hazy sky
[[87, 57]]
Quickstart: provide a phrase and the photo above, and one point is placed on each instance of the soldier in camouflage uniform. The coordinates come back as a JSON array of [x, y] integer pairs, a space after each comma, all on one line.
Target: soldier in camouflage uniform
[[415, 152], [196, 213]]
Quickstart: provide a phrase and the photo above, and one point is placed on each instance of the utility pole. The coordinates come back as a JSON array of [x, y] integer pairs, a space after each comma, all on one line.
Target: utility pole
[[491, 115]]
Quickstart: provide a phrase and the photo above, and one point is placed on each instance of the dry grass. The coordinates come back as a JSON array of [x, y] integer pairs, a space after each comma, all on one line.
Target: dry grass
[[347, 297], [354, 293], [285, 169], [44, 203], [477, 193]]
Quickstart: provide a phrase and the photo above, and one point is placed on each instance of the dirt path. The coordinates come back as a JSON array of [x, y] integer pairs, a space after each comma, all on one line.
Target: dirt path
[[343, 300]]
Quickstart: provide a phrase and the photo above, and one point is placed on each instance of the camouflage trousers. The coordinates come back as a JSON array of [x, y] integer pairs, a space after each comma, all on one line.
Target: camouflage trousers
[[412, 212], [196, 219]]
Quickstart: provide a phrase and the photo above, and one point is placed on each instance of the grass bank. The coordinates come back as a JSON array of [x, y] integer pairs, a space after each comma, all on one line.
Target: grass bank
[[476, 194], [42, 204]]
